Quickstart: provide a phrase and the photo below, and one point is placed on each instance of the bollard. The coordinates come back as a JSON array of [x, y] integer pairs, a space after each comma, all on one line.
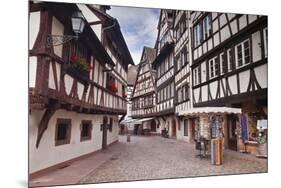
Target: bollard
[[128, 138]]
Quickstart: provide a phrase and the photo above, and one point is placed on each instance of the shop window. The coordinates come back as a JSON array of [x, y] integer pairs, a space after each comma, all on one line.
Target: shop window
[[185, 131], [63, 132], [86, 130]]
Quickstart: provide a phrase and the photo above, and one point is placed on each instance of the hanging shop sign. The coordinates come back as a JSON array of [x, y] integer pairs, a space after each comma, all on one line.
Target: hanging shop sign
[[244, 127]]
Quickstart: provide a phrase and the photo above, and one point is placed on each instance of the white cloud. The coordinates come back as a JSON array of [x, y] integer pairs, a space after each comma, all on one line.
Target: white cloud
[[139, 27]]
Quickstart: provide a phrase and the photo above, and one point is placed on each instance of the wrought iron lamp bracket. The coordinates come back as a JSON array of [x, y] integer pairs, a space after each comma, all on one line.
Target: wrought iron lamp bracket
[[56, 40]]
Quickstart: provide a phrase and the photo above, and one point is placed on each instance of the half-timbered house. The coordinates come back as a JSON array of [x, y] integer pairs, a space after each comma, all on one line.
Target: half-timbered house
[[143, 96], [229, 69], [76, 90], [182, 73], [165, 73]]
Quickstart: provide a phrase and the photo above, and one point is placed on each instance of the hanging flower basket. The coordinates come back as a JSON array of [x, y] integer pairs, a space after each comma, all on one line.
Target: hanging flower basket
[[111, 86], [78, 68]]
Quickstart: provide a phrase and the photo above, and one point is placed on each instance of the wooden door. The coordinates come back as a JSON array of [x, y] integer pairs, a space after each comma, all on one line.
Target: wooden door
[[232, 138], [104, 133]]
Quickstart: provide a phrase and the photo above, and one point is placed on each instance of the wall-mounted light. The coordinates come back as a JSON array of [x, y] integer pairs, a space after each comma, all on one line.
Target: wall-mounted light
[[78, 24]]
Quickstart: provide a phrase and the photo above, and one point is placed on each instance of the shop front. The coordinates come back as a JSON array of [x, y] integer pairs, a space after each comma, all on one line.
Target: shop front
[[214, 130]]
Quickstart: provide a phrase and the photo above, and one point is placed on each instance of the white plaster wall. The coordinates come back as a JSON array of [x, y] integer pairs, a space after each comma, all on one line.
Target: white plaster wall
[[213, 89], [80, 89], [221, 89], [51, 83], [261, 75], [68, 80], [244, 78], [58, 69], [225, 33], [232, 80], [57, 29], [180, 133], [251, 18], [210, 44], [196, 94], [233, 26], [34, 24], [32, 70], [216, 39], [242, 21], [256, 41], [48, 154], [204, 93], [215, 25], [222, 20]]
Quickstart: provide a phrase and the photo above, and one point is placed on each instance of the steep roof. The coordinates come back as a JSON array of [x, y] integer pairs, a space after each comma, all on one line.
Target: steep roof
[[150, 53]]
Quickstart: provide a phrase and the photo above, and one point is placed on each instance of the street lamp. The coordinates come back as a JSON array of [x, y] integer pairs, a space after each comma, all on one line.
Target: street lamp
[[78, 23]]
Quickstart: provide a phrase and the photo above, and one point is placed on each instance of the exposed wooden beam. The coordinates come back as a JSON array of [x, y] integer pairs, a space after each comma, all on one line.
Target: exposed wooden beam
[[43, 125]]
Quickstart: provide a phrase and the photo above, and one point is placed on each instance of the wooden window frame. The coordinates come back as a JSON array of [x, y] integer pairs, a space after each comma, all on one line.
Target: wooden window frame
[[68, 132], [213, 65], [90, 128], [229, 60], [243, 58]]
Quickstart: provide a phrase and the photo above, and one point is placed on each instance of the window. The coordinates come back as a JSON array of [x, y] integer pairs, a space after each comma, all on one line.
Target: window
[[86, 130], [213, 67], [265, 36], [207, 29], [222, 63], [197, 35], [229, 60], [242, 52], [197, 75], [185, 130], [63, 132]]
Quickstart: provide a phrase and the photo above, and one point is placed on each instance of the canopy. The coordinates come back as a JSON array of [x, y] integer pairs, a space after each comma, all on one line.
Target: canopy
[[135, 121], [210, 110]]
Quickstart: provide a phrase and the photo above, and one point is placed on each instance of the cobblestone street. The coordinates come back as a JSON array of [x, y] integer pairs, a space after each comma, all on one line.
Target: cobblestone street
[[157, 158]]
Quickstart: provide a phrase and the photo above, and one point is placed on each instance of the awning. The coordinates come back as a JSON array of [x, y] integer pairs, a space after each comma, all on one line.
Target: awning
[[210, 110], [128, 121], [145, 119]]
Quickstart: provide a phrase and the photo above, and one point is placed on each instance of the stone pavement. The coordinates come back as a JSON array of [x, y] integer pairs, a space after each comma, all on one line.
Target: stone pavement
[[151, 157]]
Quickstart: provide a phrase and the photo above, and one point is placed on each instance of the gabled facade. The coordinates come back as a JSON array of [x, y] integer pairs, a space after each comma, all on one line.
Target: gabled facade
[[143, 96], [75, 89], [229, 68], [165, 72]]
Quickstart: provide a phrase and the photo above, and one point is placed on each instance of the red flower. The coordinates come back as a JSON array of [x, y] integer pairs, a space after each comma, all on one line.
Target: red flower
[[73, 58]]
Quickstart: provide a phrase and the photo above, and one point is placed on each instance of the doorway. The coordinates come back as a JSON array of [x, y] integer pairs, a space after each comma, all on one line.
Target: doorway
[[232, 137], [153, 126], [104, 133]]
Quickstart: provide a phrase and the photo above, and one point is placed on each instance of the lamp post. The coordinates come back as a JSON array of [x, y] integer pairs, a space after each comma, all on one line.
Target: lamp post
[[78, 23]]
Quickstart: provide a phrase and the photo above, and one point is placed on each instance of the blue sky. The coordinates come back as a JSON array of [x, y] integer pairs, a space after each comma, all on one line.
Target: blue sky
[[139, 27]]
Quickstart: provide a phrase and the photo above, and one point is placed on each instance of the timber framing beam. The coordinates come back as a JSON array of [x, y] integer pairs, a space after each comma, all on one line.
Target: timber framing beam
[[52, 107]]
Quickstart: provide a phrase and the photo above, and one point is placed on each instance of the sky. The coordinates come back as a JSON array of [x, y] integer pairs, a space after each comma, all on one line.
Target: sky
[[138, 26]]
